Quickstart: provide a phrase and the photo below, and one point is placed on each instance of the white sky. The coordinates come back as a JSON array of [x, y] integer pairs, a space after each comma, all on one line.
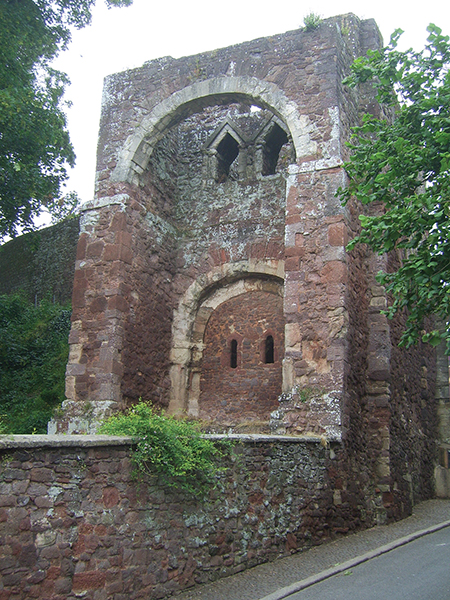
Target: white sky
[[121, 38]]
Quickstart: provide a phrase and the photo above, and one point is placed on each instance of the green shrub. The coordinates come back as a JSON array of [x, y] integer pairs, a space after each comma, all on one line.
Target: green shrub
[[312, 21], [33, 356], [171, 448]]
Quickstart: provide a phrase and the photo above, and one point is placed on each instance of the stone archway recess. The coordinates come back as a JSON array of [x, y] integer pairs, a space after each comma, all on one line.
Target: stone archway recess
[[136, 152], [191, 317]]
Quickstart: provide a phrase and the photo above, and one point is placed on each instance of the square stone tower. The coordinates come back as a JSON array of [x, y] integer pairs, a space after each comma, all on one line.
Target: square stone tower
[[212, 277]]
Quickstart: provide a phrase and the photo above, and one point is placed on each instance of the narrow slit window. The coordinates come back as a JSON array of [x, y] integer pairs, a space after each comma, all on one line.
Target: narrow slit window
[[269, 350], [233, 354]]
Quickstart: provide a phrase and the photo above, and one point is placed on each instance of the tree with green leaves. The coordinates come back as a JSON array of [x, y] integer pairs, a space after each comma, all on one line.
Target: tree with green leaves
[[33, 356], [35, 149], [402, 166]]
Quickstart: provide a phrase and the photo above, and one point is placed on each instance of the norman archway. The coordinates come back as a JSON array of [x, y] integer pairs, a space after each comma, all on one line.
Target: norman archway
[[198, 304], [137, 149]]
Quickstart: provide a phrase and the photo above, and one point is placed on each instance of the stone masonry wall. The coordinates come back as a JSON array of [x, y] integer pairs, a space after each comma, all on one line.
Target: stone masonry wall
[[248, 391], [41, 263], [73, 523], [187, 218], [153, 146], [413, 415]]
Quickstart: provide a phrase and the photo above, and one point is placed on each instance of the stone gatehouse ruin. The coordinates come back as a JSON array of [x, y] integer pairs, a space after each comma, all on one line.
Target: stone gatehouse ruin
[[211, 275], [212, 279]]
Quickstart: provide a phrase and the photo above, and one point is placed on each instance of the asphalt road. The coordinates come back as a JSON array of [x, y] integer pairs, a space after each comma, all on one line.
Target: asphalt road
[[419, 570]]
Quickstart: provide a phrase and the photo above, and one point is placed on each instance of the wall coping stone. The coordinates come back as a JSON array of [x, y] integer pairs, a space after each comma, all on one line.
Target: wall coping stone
[[90, 441], [97, 203], [61, 441]]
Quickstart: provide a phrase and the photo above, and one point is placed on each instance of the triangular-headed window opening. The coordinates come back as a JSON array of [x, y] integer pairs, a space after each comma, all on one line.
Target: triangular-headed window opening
[[275, 139], [227, 152]]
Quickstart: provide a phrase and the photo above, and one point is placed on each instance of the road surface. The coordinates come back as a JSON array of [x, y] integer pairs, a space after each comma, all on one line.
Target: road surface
[[420, 570]]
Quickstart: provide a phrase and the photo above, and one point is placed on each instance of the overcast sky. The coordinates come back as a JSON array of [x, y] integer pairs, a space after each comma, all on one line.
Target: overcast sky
[[121, 38]]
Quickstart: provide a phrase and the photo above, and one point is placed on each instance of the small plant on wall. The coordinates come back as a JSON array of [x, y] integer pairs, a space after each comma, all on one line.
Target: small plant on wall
[[311, 21], [171, 448]]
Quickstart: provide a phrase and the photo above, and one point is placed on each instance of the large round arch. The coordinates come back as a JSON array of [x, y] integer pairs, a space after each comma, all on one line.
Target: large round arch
[[193, 312], [136, 151]]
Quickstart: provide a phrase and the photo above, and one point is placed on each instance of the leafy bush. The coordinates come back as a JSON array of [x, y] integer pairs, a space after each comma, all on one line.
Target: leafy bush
[[171, 448], [33, 356], [312, 21]]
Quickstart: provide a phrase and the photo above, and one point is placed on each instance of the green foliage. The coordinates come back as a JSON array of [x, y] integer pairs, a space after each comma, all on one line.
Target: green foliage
[[35, 150], [307, 393], [33, 356], [402, 166], [65, 207], [311, 21], [171, 448]]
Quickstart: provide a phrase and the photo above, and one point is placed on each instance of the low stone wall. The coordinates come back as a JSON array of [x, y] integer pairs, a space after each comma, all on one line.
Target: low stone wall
[[73, 522]]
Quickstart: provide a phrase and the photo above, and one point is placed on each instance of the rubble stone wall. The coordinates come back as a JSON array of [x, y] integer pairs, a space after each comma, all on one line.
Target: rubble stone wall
[[74, 523]]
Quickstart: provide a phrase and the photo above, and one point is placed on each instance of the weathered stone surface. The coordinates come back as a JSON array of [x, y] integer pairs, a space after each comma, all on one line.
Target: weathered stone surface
[[98, 533], [42, 263], [207, 166]]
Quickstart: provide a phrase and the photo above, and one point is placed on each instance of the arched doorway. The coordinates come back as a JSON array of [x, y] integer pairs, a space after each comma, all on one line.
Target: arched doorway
[[240, 370]]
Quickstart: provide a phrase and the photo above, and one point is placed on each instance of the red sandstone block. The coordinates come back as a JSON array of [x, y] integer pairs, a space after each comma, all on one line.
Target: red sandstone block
[[25, 524], [111, 252], [118, 303], [78, 299], [41, 475], [98, 304], [124, 238], [114, 588], [126, 255], [110, 497], [63, 586], [90, 580], [292, 263], [119, 222], [95, 249], [334, 271], [258, 251], [53, 572], [337, 234], [101, 530], [7, 500], [81, 246], [43, 502], [292, 199], [293, 219], [86, 528], [91, 542], [294, 251]]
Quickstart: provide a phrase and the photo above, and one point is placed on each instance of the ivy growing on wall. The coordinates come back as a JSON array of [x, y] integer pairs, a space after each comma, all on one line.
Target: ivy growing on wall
[[33, 357]]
